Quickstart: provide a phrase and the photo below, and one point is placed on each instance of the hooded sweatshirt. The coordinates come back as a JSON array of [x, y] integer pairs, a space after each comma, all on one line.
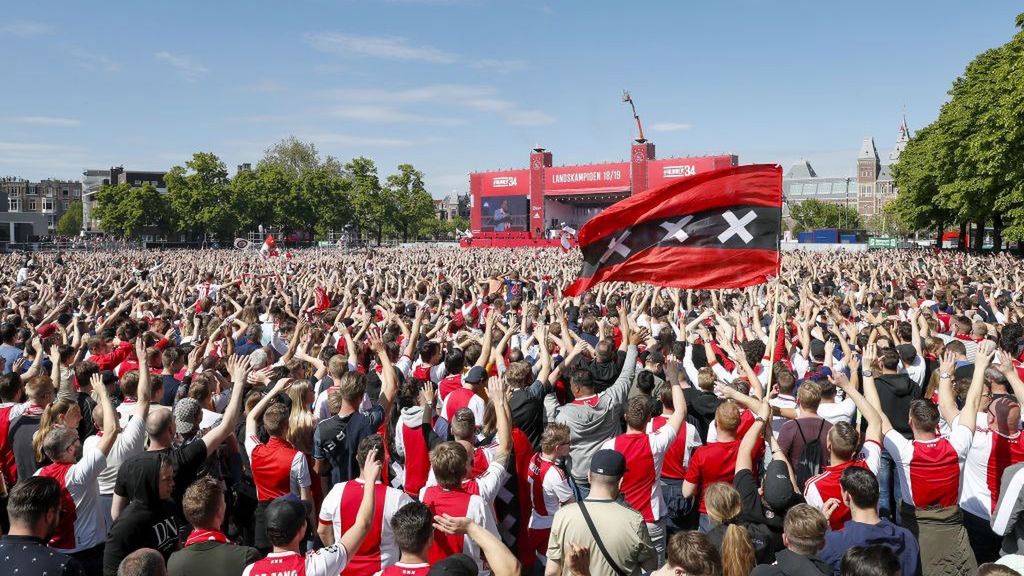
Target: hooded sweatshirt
[[896, 538], [147, 522], [790, 563], [594, 419], [896, 392]]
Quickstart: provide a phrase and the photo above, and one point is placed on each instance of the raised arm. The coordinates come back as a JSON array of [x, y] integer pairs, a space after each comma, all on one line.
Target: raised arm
[[874, 429], [252, 420], [502, 561], [947, 398], [969, 415], [110, 428], [497, 391], [144, 394], [487, 344], [389, 383], [745, 455], [870, 361]]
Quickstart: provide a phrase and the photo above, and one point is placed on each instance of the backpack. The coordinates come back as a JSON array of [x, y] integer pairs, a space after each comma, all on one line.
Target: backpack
[[809, 464]]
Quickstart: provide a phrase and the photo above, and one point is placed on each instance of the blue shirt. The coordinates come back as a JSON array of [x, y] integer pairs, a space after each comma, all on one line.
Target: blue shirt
[[10, 354], [896, 538]]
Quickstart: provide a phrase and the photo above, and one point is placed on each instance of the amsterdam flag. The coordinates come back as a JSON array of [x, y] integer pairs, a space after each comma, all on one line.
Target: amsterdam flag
[[714, 230]]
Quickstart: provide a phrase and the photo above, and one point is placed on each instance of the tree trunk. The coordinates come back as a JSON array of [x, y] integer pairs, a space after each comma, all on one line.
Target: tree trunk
[[979, 235], [380, 233], [963, 237], [938, 235], [997, 233]]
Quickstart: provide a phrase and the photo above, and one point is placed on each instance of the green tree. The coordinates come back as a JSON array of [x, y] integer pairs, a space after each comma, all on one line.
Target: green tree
[[254, 195], [372, 206], [199, 194], [413, 206], [813, 214], [295, 158], [70, 224], [128, 212]]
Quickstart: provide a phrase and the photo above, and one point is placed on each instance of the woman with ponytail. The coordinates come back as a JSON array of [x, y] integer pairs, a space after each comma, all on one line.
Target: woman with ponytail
[[62, 412], [742, 544]]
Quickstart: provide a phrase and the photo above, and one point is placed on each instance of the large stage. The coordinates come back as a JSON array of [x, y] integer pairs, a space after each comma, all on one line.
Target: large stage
[[526, 207]]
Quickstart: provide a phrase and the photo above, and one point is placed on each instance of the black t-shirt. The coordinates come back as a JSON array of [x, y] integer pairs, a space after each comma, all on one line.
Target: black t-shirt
[[336, 441], [85, 404], [527, 407], [141, 527], [754, 510], [187, 462], [21, 431], [30, 555], [701, 405]]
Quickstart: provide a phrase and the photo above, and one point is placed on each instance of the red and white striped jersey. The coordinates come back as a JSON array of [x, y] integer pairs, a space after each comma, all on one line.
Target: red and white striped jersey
[[678, 456], [645, 454], [458, 503], [990, 455], [277, 468], [340, 508], [819, 489], [927, 467], [549, 490], [329, 561], [464, 398]]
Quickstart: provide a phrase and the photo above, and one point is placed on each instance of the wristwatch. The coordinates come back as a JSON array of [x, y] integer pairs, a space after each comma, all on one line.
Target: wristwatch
[[945, 375], [758, 418], [868, 373]]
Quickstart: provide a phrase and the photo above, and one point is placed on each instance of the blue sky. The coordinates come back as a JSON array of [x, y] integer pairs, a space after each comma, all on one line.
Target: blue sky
[[458, 86]]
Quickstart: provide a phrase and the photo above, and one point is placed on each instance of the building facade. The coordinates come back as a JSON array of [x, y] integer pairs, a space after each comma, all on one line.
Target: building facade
[[94, 179], [447, 208], [46, 198], [867, 191]]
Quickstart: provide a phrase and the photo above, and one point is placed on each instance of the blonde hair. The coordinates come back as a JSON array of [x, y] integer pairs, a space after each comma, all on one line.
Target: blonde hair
[[49, 421], [724, 507], [301, 422]]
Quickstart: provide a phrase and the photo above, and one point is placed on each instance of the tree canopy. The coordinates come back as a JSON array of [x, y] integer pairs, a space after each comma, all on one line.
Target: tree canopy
[[292, 189], [813, 214], [967, 167]]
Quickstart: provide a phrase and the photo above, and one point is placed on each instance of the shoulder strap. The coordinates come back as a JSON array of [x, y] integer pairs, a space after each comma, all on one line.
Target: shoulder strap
[[600, 543]]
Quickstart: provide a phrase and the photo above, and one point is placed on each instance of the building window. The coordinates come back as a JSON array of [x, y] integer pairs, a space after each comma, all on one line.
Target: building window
[[32, 205], [14, 204], [65, 192], [138, 182], [47, 204], [64, 206], [76, 192], [31, 191]]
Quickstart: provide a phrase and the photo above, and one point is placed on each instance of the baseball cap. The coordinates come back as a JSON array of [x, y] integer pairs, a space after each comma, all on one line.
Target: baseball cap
[[608, 463], [47, 330], [907, 352], [185, 415], [778, 489], [455, 565], [476, 375], [285, 514]]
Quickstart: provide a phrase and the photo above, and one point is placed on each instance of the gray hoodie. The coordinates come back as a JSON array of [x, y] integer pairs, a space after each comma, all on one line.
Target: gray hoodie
[[1008, 520], [590, 425]]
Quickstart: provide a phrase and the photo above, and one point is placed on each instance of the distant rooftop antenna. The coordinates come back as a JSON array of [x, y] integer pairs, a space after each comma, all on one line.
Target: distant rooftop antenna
[[627, 98]]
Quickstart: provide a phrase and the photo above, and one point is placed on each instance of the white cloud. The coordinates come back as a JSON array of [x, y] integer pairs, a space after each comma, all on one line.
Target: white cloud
[[400, 49], [389, 115], [93, 61], [478, 98], [369, 141], [670, 127], [45, 121], [26, 29], [384, 47], [189, 70]]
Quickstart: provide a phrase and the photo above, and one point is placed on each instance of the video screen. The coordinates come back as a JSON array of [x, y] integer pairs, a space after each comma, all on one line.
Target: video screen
[[505, 214]]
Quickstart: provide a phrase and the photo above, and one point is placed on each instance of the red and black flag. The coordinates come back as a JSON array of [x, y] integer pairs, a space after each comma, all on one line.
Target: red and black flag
[[714, 230]]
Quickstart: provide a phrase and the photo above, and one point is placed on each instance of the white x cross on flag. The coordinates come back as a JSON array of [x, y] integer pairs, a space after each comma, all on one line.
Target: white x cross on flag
[[616, 246], [675, 230], [737, 226]]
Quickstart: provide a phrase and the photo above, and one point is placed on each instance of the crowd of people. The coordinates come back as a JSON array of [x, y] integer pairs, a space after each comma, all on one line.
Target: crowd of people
[[415, 411]]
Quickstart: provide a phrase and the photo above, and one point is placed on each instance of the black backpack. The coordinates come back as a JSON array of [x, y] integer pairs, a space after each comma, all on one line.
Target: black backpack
[[809, 464]]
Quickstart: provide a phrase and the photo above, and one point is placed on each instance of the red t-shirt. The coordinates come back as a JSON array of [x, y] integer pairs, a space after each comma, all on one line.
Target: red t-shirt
[[713, 462]]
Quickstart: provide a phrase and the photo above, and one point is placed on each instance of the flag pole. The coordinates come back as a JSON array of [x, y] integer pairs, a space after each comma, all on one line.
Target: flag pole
[[773, 338]]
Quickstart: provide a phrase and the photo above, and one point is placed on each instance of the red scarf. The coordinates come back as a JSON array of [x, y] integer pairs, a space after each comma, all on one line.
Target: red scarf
[[199, 535]]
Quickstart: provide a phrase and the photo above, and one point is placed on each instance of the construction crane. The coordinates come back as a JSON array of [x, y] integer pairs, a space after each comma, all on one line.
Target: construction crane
[[627, 98]]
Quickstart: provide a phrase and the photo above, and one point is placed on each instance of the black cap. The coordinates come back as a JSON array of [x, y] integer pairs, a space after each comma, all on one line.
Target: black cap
[[907, 352], [455, 565], [286, 514], [476, 375], [608, 463], [778, 489]]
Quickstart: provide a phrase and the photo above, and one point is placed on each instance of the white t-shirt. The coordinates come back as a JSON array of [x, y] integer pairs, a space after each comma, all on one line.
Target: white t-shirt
[[836, 412], [90, 521], [129, 443]]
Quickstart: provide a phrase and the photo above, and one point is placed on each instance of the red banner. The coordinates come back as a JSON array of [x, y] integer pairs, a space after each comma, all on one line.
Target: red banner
[[608, 177], [662, 172]]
